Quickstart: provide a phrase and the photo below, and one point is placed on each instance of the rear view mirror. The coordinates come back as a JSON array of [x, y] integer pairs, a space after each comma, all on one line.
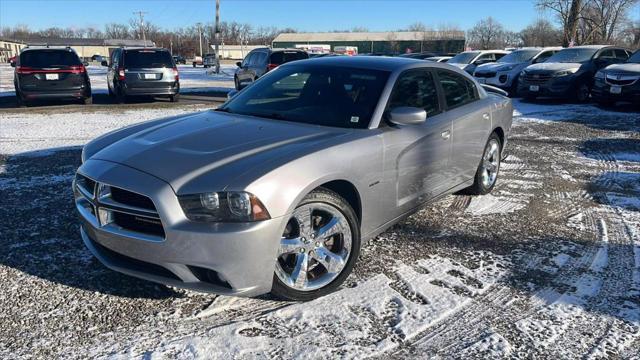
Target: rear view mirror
[[406, 115], [104, 63]]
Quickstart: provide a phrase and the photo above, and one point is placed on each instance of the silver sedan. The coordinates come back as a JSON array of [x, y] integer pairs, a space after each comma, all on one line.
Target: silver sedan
[[276, 190]]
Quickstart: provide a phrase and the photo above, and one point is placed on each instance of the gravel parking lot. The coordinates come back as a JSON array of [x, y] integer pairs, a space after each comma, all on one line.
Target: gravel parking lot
[[547, 266]]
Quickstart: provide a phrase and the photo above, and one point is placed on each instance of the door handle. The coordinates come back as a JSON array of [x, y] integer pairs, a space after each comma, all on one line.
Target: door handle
[[446, 134], [486, 116]]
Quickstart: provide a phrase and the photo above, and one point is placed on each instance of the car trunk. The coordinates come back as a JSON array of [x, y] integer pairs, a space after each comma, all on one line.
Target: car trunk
[[50, 71], [148, 69]]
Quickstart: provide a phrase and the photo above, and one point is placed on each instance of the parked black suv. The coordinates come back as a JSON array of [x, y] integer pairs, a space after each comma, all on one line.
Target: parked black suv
[[260, 61], [619, 82], [569, 73], [44, 73], [142, 72]]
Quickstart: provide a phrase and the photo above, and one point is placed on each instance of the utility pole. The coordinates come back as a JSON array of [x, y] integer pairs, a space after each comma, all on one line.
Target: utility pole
[[171, 46], [199, 25], [216, 36], [141, 14]]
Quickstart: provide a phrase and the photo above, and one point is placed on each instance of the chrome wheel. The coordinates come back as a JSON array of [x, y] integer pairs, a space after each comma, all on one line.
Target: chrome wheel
[[490, 163], [314, 248]]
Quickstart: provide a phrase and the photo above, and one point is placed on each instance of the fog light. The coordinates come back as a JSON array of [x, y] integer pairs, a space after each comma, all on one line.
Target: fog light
[[105, 216]]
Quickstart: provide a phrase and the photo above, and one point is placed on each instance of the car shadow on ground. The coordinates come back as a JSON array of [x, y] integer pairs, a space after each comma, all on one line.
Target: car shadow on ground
[[40, 233]]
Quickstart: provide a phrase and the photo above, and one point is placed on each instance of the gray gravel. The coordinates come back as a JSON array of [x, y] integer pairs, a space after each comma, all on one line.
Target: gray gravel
[[565, 177]]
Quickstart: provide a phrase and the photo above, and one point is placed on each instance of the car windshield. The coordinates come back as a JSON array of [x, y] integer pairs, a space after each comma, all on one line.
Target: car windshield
[[147, 59], [574, 55], [518, 56], [49, 58], [464, 58], [635, 58], [313, 94]]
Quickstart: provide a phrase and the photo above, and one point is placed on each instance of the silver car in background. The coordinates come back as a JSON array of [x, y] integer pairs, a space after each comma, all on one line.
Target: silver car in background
[[504, 73], [469, 60], [276, 190]]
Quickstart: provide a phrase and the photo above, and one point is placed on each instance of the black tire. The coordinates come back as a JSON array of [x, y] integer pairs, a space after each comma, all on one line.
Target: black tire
[[478, 188], [174, 98], [325, 196], [194, 64], [120, 96], [88, 100], [582, 93], [236, 82], [20, 102]]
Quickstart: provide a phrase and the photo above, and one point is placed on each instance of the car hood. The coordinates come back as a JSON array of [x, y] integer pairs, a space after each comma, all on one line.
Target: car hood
[[552, 67], [495, 66], [459, 65], [626, 68], [182, 150]]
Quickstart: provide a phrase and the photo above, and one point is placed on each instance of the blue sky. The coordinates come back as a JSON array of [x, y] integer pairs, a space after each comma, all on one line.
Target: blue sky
[[304, 15]]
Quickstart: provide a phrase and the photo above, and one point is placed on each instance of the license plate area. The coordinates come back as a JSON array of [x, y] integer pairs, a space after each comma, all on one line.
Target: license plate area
[[535, 88], [51, 76], [616, 89], [149, 76]]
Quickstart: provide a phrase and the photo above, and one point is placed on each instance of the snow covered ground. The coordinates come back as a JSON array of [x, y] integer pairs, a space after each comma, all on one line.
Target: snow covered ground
[[191, 79], [547, 266]]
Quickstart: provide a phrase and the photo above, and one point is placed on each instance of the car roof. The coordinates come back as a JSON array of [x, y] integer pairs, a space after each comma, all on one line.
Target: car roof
[[591, 47], [40, 48], [145, 48], [383, 63]]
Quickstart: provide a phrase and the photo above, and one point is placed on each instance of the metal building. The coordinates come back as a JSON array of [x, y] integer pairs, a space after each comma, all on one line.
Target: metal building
[[397, 42]]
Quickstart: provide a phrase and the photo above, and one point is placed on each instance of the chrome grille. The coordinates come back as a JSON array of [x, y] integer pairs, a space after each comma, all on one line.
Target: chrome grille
[[621, 80], [117, 210], [536, 78]]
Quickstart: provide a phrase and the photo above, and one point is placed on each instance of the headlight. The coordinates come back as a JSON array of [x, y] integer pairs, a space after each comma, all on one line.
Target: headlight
[[600, 75], [233, 206], [566, 72]]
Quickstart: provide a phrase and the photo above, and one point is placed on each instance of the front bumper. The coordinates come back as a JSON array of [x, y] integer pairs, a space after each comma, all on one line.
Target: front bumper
[[601, 91], [229, 259], [559, 87], [502, 80]]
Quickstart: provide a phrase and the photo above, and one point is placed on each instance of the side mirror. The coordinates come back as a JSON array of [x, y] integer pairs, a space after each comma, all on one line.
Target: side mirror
[[13, 64], [406, 115], [104, 63], [239, 64], [232, 93]]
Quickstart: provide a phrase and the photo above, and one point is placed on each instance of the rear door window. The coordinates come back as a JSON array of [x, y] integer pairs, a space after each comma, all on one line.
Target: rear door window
[[147, 59], [259, 59], [282, 57], [621, 54], [458, 90], [49, 59]]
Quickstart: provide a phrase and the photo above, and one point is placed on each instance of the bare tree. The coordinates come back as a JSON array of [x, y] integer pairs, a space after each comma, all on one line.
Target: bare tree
[[418, 27], [568, 13], [117, 31], [605, 19], [541, 33], [487, 34], [360, 29]]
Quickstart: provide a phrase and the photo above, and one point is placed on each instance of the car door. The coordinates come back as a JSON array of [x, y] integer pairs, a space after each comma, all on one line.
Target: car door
[[417, 156], [113, 69], [243, 74], [470, 124]]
